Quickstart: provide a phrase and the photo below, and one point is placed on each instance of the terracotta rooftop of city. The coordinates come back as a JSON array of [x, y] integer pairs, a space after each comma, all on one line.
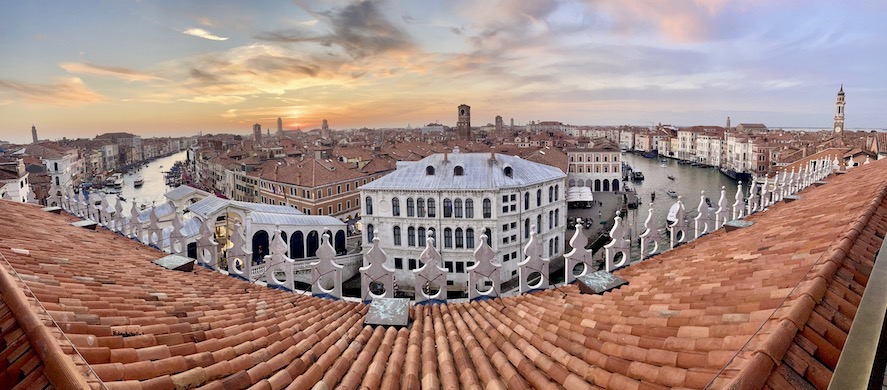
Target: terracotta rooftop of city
[[767, 306]]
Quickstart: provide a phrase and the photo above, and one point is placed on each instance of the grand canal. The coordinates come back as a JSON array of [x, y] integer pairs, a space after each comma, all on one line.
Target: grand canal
[[151, 192]]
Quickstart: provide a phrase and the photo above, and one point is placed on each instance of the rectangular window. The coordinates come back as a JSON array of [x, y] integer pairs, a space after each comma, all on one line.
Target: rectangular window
[[348, 204], [398, 263], [514, 225], [329, 210], [504, 198], [449, 266], [412, 264], [505, 227], [460, 267], [504, 258], [505, 209], [513, 197]]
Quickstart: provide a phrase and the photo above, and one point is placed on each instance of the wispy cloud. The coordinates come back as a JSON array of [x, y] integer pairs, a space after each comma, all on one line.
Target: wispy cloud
[[220, 99], [66, 92], [110, 71], [201, 33]]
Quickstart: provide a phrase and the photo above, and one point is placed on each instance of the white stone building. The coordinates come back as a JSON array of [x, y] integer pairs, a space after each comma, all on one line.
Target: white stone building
[[598, 167], [457, 198]]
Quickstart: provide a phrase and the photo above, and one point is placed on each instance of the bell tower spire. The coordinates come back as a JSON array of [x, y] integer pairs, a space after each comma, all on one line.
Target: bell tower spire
[[839, 112]]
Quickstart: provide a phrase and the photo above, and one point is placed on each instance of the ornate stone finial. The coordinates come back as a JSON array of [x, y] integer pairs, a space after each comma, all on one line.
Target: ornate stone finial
[[154, 231], [765, 193], [326, 275], [722, 215], [702, 223], [176, 240], [277, 263], [739, 204], [678, 229], [240, 259], [430, 275], [578, 255], [836, 164], [119, 219], [103, 212], [376, 273], [618, 245], [849, 163], [207, 247], [867, 161], [483, 268], [651, 235], [753, 199], [533, 263]]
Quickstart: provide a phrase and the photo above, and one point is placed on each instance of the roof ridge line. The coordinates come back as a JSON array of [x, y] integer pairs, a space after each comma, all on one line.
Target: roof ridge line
[[58, 367], [836, 252]]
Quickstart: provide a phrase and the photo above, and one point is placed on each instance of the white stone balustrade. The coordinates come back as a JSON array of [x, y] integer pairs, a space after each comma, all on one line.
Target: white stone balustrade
[[484, 269], [723, 213], [326, 275], [240, 259], [176, 241], [578, 255], [533, 263], [134, 228]]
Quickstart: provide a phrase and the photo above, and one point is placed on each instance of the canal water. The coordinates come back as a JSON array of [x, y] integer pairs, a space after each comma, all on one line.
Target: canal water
[[688, 182], [155, 185]]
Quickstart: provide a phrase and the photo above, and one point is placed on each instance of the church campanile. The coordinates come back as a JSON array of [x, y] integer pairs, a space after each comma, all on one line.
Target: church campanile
[[839, 113], [463, 125]]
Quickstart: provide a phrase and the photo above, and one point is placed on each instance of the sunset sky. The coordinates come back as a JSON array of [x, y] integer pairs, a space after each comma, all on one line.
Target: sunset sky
[[80, 68]]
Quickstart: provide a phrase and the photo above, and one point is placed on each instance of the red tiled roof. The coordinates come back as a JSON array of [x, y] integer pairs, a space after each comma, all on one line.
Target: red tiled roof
[[764, 306]]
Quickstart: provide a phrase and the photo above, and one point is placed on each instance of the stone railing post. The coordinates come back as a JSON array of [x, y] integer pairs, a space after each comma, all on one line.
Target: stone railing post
[[430, 275], [765, 193], [376, 272], [119, 219], [207, 247], [176, 238], [134, 228], [753, 198], [678, 229], [154, 232], [722, 215], [533, 262], [651, 235], [702, 224], [237, 253], [618, 245], [325, 266], [278, 262], [484, 268], [739, 203], [578, 255]]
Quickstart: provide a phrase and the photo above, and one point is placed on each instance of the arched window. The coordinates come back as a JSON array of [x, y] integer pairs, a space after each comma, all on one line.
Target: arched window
[[557, 192], [260, 245], [539, 197], [429, 170], [411, 236], [458, 170], [550, 219], [509, 172], [411, 208], [369, 205], [526, 200], [557, 217], [297, 246], [460, 242], [458, 208], [469, 238], [550, 194], [370, 234], [488, 208], [469, 208], [313, 243], [447, 208], [526, 228], [397, 241], [539, 224], [489, 235], [432, 210], [420, 207], [556, 246], [448, 238], [421, 236], [340, 242], [395, 207]]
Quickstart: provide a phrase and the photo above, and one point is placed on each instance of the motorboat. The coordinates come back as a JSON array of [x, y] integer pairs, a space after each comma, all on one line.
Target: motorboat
[[672, 194], [670, 177], [138, 182]]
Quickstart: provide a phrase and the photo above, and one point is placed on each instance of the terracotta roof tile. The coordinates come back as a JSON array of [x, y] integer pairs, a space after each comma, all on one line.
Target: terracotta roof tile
[[779, 316]]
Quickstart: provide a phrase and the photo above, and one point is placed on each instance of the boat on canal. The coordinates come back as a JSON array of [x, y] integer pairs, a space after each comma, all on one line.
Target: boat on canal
[[672, 194], [138, 182]]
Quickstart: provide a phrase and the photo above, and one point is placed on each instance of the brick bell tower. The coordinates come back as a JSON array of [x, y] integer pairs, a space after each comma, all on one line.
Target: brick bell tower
[[463, 125]]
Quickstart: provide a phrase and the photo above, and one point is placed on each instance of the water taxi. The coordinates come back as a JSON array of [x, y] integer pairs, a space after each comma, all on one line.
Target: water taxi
[[138, 182]]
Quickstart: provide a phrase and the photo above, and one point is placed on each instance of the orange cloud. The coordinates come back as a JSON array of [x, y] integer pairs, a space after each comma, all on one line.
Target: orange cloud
[[69, 91]]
